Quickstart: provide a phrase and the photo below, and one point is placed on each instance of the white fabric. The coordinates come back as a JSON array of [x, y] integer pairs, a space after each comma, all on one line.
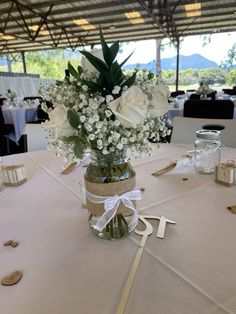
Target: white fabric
[[18, 117], [36, 137], [22, 86], [184, 130], [66, 269], [111, 204]]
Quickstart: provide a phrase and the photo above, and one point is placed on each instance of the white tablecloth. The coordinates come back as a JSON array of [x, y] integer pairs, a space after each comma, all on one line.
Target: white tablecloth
[[66, 269], [19, 117], [22, 86]]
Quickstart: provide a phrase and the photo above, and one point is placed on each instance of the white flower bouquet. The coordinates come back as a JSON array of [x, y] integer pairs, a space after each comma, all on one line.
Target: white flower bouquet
[[101, 108], [11, 94]]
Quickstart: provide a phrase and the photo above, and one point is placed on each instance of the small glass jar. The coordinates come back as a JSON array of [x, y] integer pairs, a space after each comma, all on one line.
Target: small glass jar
[[108, 176], [207, 151]]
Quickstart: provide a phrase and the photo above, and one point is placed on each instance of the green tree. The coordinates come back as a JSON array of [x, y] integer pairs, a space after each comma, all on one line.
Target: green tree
[[231, 57]]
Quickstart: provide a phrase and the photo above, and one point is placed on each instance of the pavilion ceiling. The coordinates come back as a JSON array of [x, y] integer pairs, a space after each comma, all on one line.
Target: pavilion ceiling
[[27, 25]]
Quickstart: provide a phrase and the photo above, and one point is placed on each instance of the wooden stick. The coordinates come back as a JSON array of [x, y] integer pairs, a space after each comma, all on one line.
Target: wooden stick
[[134, 267], [165, 169], [69, 168]]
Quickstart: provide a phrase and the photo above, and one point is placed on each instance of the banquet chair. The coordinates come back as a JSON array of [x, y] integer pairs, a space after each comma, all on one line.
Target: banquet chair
[[212, 95], [195, 96], [36, 138], [229, 91], [5, 129], [177, 93], [209, 109], [42, 116], [184, 129]]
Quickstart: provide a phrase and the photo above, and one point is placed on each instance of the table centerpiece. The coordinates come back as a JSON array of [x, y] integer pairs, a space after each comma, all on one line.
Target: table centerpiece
[[103, 112]]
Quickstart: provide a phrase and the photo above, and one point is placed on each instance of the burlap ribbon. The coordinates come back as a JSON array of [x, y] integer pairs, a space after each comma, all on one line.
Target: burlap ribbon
[[108, 189], [108, 199]]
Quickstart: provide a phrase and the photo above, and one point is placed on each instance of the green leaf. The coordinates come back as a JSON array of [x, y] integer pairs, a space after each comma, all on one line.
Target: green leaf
[[114, 50], [72, 70], [130, 81], [80, 69], [116, 73], [59, 83], [79, 148], [71, 139], [93, 86], [107, 55], [67, 80], [73, 118], [122, 63], [150, 75], [96, 62]]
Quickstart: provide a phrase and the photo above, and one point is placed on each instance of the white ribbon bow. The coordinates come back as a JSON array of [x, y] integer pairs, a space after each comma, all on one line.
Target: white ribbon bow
[[111, 204]]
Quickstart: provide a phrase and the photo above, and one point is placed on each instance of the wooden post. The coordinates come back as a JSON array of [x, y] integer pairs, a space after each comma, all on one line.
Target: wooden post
[[23, 60], [177, 66]]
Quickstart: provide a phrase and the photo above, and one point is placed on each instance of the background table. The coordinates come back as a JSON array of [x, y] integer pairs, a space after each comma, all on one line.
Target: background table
[[19, 117], [23, 86], [66, 269]]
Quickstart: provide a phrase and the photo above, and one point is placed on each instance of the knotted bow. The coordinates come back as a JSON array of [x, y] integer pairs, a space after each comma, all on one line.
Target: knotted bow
[[111, 204]]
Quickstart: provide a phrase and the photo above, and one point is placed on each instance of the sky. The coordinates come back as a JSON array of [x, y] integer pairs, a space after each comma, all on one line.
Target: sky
[[216, 50]]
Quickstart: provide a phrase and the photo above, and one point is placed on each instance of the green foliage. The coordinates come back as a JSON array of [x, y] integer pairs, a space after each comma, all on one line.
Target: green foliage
[[79, 148], [73, 118], [110, 72], [49, 64], [209, 76], [231, 58], [212, 76], [72, 71]]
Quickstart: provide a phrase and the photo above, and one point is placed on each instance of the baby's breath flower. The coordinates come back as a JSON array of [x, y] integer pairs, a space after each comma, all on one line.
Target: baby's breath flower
[[117, 123], [120, 146], [116, 90], [108, 113], [82, 118], [91, 137], [109, 98]]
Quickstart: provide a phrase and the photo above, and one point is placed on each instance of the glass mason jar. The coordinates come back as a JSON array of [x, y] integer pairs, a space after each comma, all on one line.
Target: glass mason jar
[[108, 176], [207, 151]]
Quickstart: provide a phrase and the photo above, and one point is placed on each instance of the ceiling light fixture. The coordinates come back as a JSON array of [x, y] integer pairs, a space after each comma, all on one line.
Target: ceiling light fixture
[[85, 24], [33, 27], [193, 9], [134, 17], [44, 32], [6, 37]]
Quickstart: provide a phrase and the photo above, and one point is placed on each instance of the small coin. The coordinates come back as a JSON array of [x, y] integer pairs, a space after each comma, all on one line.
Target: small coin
[[12, 279]]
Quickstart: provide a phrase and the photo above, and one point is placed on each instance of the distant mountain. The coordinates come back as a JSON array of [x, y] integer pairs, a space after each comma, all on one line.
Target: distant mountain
[[195, 61]]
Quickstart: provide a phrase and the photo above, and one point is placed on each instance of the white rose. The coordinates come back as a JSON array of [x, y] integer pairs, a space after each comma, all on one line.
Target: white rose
[[159, 100], [130, 108], [87, 66], [59, 122]]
